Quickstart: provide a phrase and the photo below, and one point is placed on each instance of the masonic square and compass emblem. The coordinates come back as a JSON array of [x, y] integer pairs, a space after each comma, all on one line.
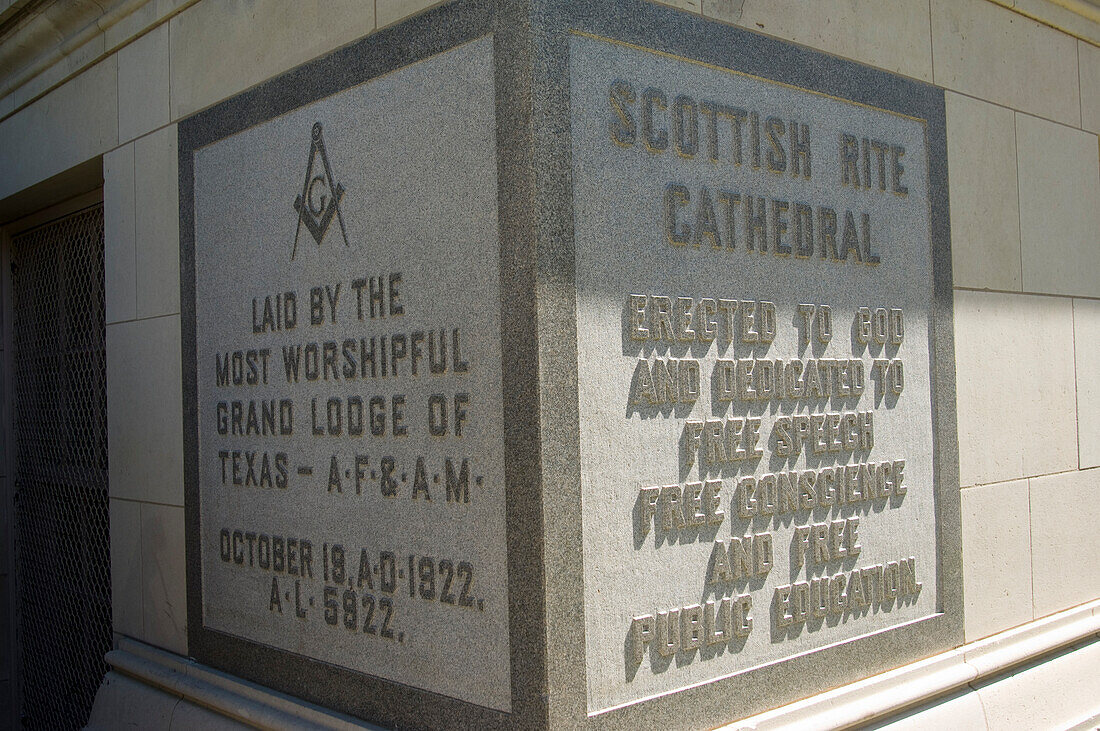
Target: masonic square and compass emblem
[[320, 198]]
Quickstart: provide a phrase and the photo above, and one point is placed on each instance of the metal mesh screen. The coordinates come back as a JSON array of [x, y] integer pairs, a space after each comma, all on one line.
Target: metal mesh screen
[[62, 544]]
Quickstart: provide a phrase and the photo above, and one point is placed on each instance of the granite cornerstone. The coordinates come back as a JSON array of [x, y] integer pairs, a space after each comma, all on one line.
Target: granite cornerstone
[[564, 365], [745, 369]]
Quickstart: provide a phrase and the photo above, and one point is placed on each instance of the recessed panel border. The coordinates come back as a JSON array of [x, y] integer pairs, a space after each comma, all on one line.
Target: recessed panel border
[[428, 34], [650, 27]]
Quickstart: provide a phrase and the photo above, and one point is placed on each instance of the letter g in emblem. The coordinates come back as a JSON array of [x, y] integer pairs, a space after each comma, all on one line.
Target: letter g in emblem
[[318, 195]]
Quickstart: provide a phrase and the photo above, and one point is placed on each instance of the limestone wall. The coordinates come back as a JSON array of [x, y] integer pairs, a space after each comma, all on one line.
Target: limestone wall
[[1023, 114]]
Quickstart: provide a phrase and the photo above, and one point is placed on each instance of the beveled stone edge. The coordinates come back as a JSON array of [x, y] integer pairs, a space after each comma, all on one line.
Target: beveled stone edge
[[41, 50], [1076, 18], [220, 692], [892, 692], [872, 699]]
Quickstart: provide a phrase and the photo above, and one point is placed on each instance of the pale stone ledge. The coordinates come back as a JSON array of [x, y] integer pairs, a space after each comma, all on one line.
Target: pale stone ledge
[[198, 685], [870, 700], [1079, 18], [888, 694], [53, 41]]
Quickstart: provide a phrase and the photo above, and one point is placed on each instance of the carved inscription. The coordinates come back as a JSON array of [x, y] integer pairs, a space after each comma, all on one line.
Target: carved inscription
[[360, 413], [348, 368], [838, 441], [753, 287]]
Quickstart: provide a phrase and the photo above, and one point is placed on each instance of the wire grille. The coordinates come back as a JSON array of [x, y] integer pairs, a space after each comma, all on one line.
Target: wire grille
[[62, 543]]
